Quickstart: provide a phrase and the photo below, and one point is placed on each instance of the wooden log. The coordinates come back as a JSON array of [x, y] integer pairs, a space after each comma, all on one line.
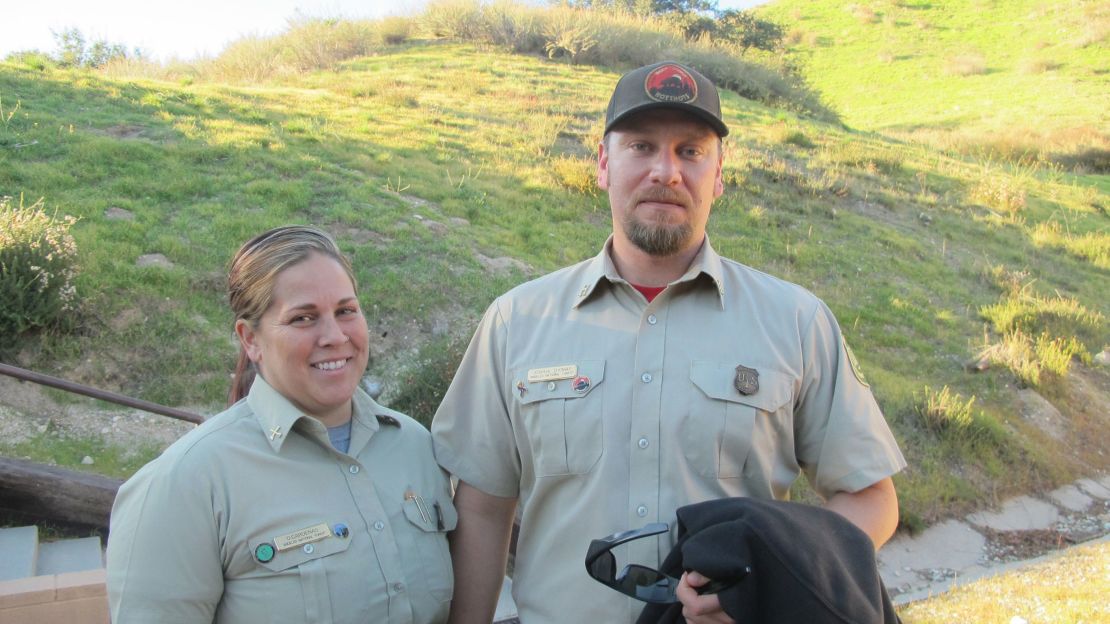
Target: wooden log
[[56, 493]]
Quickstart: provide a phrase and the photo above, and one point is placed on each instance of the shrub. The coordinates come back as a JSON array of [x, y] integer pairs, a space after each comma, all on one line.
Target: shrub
[[423, 385], [999, 192], [32, 59], [966, 65], [395, 30], [38, 264], [1029, 359], [790, 134], [944, 410]]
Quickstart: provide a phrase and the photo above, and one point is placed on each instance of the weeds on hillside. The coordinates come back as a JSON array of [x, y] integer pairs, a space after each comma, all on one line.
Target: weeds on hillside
[[1092, 246], [617, 39], [1078, 148], [38, 265], [944, 410], [576, 174], [1038, 334], [1002, 193], [1031, 359]]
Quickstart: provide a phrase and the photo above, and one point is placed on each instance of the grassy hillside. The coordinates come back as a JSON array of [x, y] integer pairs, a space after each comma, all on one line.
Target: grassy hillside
[[1003, 76], [451, 171]]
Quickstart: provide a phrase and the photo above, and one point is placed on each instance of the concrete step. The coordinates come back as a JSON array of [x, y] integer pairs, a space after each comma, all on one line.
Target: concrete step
[[70, 555], [19, 547]]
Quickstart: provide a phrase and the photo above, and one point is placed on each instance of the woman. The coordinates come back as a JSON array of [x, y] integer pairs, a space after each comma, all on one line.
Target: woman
[[305, 501]]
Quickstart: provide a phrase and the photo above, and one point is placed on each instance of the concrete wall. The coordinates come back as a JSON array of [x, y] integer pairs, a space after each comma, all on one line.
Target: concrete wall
[[71, 598]]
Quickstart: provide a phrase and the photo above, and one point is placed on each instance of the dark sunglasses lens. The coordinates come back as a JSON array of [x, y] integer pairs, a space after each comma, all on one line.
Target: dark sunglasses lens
[[646, 584], [604, 568]]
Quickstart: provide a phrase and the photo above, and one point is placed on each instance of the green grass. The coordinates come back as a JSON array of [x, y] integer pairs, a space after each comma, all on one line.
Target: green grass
[[427, 157], [56, 449], [1006, 77]]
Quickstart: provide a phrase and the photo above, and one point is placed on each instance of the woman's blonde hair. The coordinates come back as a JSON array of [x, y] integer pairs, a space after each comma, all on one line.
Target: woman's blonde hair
[[251, 277]]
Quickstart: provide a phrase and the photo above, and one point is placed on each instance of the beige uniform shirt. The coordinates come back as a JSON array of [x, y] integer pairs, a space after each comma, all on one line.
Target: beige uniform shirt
[[603, 412], [254, 517]]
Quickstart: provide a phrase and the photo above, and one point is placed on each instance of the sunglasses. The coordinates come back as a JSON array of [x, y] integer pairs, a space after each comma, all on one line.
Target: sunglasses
[[641, 582]]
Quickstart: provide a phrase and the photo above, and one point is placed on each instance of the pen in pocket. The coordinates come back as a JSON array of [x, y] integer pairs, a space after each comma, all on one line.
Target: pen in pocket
[[410, 495]]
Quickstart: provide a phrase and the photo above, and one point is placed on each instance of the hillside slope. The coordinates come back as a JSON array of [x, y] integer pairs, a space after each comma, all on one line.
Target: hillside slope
[[451, 172]]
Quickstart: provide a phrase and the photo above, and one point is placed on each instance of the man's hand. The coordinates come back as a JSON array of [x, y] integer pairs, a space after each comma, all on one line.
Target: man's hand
[[699, 609]]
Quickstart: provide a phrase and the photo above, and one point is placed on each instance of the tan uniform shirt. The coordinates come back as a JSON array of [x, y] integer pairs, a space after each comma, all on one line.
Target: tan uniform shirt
[[603, 412], [254, 517]]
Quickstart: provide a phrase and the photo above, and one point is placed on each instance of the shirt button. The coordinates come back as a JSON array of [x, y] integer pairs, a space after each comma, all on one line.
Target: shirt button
[[641, 511], [652, 320], [643, 443], [308, 548], [379, 525], [398, 587], [646, 378], [353, 469], [551, 386]]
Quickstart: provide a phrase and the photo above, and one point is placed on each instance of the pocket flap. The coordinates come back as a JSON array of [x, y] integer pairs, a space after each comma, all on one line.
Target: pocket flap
[[589, 375], [296, 556], [718, 381]]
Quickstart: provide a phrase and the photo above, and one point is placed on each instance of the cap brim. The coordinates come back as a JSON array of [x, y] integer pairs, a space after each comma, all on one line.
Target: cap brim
[[717, 125]]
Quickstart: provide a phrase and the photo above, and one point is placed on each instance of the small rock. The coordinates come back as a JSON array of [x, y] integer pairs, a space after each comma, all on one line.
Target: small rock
[[155, 260], [977, 365], [118, 214], [88, 461], [104, 430], [435, 226], [1103, 357]]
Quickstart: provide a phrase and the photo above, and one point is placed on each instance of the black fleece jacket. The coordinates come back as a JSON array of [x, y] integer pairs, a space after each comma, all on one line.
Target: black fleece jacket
[[808, 565]]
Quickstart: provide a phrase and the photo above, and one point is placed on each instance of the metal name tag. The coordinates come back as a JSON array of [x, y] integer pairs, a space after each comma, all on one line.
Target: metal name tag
[[303, 536], [553, 373]]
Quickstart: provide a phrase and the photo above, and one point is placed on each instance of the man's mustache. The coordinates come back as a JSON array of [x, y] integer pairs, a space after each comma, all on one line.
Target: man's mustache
[[663, 195]]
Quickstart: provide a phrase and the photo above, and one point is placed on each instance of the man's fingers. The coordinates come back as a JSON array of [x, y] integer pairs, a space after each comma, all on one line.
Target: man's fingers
[[695, 579]]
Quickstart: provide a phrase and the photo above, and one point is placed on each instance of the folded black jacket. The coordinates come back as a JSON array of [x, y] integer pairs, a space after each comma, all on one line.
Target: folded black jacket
[[808, 565]]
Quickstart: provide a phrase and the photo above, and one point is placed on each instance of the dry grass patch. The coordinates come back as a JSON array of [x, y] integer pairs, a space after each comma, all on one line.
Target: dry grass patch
[[1038, 66], [863, 13], [967, 64], [1065, 589]]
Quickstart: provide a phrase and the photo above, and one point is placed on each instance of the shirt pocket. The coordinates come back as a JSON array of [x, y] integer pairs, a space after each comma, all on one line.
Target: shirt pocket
[[309, 563], [563, 419], [432, 521], [718, 435]]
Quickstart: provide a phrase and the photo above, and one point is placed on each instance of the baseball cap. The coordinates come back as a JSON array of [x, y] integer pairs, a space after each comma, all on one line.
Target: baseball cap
[[666, 85]]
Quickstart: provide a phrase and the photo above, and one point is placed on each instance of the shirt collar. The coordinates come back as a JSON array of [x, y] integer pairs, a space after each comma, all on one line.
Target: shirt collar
[[707, 262], [278, 415]]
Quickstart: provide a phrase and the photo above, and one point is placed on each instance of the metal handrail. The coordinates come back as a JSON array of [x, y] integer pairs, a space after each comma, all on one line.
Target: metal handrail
[[96, 393]]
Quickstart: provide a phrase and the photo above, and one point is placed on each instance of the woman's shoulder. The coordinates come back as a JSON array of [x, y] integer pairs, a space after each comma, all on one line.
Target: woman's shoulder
[[228, 428]]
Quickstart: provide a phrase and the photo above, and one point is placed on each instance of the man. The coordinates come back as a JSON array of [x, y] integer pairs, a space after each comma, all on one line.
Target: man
[[604, 396]]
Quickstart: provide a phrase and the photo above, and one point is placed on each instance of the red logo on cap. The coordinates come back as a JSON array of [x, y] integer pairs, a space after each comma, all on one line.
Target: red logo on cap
[[671, 83]]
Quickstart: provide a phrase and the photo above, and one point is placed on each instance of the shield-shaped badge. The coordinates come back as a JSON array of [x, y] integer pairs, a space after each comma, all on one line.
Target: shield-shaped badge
[[747, 380]]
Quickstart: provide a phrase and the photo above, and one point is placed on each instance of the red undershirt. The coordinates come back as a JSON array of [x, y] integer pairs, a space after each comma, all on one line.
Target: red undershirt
[[649, 292]]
